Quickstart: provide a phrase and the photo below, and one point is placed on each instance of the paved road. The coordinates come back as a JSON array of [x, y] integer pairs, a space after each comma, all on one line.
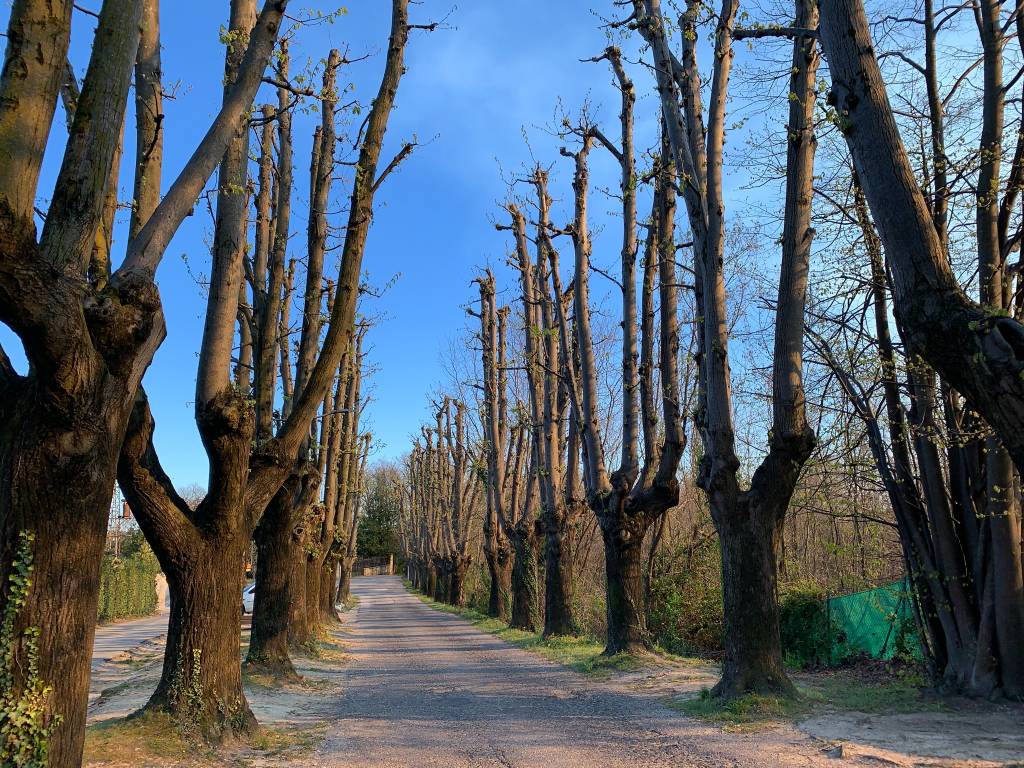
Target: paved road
[[113, 643], [115, 639], [426, 689]]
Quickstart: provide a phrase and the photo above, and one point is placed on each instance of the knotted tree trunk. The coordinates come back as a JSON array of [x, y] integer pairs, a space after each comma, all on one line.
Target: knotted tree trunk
[[89, 335], [624, 566], [268, 643], [524, 578]]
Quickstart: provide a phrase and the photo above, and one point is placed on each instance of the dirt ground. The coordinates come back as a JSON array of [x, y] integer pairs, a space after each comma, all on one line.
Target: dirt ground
[[417, 688]]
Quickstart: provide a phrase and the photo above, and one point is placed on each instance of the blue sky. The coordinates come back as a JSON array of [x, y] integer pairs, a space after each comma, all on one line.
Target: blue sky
[[472, 91]]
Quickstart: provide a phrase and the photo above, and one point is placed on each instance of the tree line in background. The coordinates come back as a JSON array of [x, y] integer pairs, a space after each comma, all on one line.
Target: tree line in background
[[898, 455], [278, 400]]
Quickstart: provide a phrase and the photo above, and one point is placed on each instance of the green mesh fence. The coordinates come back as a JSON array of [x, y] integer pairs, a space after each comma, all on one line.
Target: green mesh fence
[[876, 622]]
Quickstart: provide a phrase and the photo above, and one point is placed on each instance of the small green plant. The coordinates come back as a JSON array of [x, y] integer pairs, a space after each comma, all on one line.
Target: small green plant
[[26, 724], [746, 711], [187, 693], [804, 626]]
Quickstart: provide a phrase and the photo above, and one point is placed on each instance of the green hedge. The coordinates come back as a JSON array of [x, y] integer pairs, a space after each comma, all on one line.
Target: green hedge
[[127, 586]]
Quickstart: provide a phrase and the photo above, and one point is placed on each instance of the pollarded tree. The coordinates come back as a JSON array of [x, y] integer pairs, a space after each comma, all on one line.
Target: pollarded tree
[[513, 456], [747, 519], [445, 488], [201, 551], [496, 545], [463, 494], [555, 435], [340, 555], [629, 499], [963, 542], [89, 332], [287, 611], [331, 536]]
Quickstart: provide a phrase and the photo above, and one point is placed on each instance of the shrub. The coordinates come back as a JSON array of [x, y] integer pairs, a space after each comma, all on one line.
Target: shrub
[[804, 626], [127, 586], [684, 613]]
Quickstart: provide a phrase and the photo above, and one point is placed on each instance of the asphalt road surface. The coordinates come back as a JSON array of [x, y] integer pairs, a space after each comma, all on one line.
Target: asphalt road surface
[[425, 688], [115, 639]]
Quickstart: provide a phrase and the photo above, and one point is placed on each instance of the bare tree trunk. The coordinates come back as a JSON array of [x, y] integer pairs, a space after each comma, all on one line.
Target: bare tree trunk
[[559, 618], [268, 643], [623, 558], [457, 593], [753, 651], [524, 577], [88, 343], [345, 580], [243, 482], [201, 682], [499, 566]]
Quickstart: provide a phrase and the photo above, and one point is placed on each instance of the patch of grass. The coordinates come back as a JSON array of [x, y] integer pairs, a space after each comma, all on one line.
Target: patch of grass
[[328, 647], [131, 741], [271, 742], [348, 605], [839, 690], [745, 713], [135, 662], [153, 739], [582, 654], [846, 690]]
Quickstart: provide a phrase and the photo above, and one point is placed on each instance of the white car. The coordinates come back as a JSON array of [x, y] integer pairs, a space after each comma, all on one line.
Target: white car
[[248, 598]]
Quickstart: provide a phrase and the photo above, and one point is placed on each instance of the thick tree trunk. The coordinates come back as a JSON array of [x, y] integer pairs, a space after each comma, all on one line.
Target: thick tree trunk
[[524, 578], [457, 587], [313, 612], [559, 618], [345, 578], [440, 569], [753, 650], [624, 584], [431, 581], [63, 424], [423, 577], [201, 683], [499, 566], [65, 548], [300, 633], [268, 645], [328, 580], [1008, 582]]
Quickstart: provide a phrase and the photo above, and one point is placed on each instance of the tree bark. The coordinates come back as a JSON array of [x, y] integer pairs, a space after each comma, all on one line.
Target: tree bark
[[345, 581], [524, 614], [753, 655], [88, 344], [499, 567], [559, 591], [457, 591], [268, 643], [623, 556], [201, 682]]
